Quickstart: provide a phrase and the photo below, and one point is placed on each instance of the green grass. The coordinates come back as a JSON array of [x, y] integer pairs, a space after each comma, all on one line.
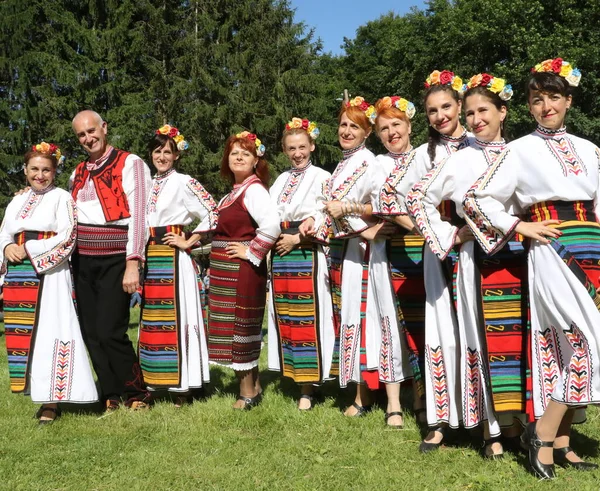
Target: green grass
[[210, 446]]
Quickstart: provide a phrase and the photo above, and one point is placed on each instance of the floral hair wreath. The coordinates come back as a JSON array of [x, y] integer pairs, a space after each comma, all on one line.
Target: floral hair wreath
[[364, 106], [174, 133], [493, 84], [400, 103], [260, 148], [49, 149], [562, 68], [310, 127], [445, 77]]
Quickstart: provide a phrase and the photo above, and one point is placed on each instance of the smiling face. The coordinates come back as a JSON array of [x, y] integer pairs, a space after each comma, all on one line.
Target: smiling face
[[298, 147], [241, 163], [484, 118], [164, 158], [442, 112], [40, 172], [91, 132], [351, 134], [549, 109], [394, 133]]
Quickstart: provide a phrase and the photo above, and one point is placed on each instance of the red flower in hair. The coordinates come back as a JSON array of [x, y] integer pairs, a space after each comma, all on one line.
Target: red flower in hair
[[251, 137], [173, 132], [485, 79], [557, 65], [446, 77], [426, 85], [305, 123], [364, 106]]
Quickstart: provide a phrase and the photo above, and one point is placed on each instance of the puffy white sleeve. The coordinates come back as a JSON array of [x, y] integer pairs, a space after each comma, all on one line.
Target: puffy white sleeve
[[6, 238], [258, 203], [199, 202], [439, 184], [136, 184], [46, 254], [484, 207]]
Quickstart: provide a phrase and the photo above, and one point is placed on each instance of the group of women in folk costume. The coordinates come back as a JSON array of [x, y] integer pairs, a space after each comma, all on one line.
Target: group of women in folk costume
[[421, 263]]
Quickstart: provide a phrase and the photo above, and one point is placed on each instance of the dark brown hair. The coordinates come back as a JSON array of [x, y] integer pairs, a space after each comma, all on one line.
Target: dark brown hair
[[548, 82], [261, 169], [433, 137], [494, 99], [159, 141]]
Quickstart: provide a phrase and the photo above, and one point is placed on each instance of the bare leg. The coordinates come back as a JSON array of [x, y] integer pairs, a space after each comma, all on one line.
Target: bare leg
[[363, 399], [393, 404], [247, 386], [256, 379], [305, 403], [418, 405], [491, 449]]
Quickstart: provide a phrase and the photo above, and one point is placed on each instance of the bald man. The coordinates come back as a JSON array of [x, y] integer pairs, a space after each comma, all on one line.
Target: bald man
[[110, 189]]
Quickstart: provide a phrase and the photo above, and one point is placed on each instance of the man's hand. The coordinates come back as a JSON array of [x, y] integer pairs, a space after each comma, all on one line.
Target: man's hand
[[131, 278]]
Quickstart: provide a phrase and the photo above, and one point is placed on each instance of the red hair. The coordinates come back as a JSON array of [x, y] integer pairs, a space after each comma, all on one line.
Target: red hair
[[389, 112], [34, 153], [261, 169], [356, 115]]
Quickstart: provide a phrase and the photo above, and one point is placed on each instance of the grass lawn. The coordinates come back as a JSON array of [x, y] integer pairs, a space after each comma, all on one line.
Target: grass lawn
[[208, 445]]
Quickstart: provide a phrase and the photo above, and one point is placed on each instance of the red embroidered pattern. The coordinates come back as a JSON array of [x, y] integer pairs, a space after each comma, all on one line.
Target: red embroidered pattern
[[437, 370], [577, 386], [546, 359], [386, 365], [563, 150], [388, 198], [206, 200], [62, 370], [158, 185], [473, 390], [350, 337], [30, 205], [291, 186], [46, 262], [138, 214]]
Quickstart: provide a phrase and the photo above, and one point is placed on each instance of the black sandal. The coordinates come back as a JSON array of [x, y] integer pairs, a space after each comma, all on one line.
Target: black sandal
[[488, 444], [249, 402], [56, 410], [394, 413], [532, 443], [426, 447], [360, 410], [560, 458]]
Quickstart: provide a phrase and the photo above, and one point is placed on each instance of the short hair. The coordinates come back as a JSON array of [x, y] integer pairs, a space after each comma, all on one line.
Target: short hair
[[548, 82], [34, 153], [356, 115]]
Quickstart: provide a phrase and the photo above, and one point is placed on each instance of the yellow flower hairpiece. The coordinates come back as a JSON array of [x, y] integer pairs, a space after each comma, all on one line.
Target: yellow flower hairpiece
[[174, 133], [494, 84], [310, 127], [260, 148], [561, 68], [364, 106]]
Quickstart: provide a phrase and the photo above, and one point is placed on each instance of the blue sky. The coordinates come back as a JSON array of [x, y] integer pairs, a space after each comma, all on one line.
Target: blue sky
[[335, 19]]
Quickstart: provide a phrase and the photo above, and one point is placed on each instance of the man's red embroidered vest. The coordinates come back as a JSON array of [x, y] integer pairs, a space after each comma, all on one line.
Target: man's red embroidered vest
[[108, 181]]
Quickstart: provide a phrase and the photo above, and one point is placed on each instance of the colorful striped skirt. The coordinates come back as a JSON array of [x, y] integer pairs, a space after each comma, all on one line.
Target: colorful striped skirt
[[405, 255], [236, 308], [502, 281], [297, 313], [22, 293], [159, 347]]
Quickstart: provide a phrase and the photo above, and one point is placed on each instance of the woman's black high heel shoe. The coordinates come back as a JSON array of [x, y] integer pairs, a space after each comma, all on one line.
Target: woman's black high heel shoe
[[532, 443], [560, 458]]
